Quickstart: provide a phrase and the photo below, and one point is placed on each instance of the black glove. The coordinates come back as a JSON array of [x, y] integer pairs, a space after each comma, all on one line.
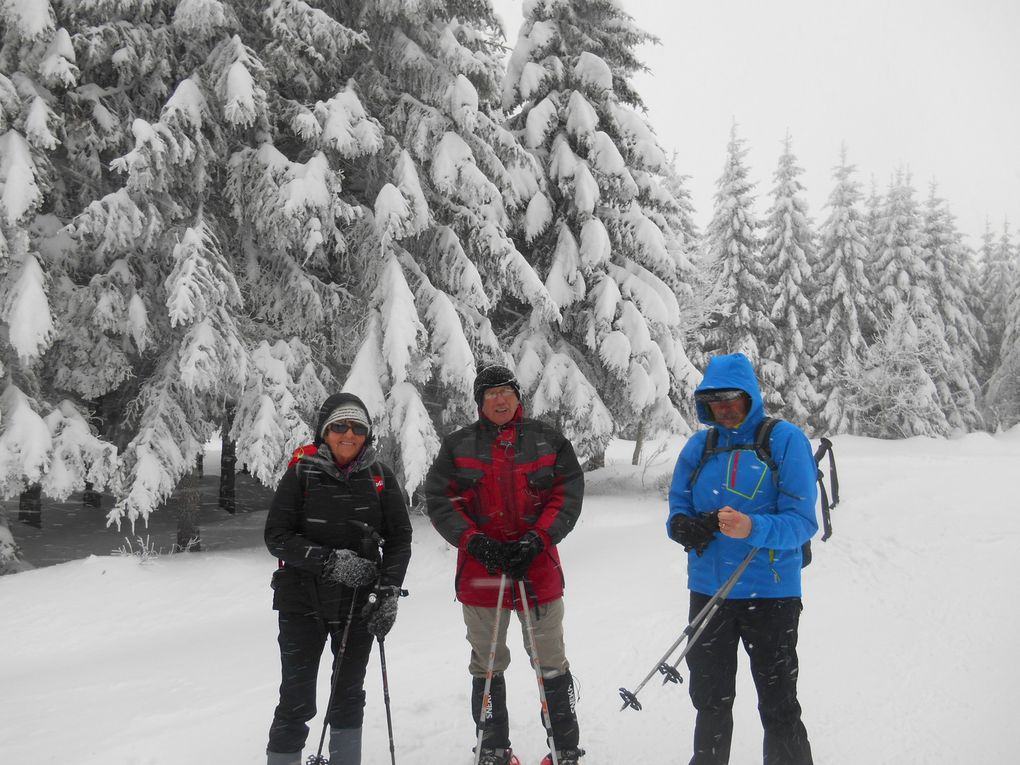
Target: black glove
[[522, 553], [694, 533], [381, 610], [348, 568], [488, 551]]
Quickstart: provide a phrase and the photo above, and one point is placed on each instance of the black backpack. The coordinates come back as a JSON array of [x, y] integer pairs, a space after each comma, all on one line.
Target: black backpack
[[762, 448]]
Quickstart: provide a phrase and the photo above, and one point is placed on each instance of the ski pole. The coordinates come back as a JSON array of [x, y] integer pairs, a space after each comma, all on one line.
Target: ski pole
[[386, 700], [673, 676], [318, 759], [488, 672], [691, 633], [546, 718]]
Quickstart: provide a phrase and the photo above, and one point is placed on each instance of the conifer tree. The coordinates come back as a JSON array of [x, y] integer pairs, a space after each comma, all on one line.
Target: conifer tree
[[788, 249], [608, 228], [434, 240], [998, 267], [873, 211], [905, 293], [46, 439], [179, 300], [843, 300], [742, 322], [887, 385], [946, 258], [199, 112], [1004, 384]]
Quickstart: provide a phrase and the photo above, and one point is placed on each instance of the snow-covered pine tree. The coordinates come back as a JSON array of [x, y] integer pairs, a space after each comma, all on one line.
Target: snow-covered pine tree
[[788, 250], [46, 441], [901, 274], [904, 281], [741, 321], [184, 301], [950, 284], [608, 228], [977, 297], [997, 271], [842, 302], [874, 206], [887, 385], [433, 245], [1004, 384]]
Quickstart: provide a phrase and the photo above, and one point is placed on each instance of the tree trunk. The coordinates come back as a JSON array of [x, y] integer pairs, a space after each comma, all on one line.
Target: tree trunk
[[30, 506], [90, 497], [189, 537], [228, 460], [639, 442]]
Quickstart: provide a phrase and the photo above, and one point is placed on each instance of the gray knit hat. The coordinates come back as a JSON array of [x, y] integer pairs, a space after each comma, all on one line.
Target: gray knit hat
[[350, 412]]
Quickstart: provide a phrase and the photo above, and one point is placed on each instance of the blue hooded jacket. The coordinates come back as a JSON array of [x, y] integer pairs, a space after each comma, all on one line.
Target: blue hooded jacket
[[783, 516]]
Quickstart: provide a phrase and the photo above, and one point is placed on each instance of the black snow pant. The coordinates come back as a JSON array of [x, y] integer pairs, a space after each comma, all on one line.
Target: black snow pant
[[302, 638], [495, 723], [768, 630]]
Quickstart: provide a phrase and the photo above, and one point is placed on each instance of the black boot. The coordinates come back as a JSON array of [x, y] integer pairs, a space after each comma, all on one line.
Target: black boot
[[495, 724], [562, 698]]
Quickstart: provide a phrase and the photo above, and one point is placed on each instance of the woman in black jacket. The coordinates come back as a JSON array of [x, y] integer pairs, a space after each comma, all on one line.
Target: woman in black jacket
[[339, 526]]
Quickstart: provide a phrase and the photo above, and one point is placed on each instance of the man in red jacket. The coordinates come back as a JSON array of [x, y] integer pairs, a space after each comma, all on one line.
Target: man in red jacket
[[504, 491]]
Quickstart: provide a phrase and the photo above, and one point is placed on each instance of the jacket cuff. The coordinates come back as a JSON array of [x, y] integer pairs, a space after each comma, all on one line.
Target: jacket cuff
[[544, 536], [468, 533]]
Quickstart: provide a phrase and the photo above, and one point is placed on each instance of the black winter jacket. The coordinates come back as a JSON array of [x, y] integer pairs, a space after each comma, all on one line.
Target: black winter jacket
[[311, 515]]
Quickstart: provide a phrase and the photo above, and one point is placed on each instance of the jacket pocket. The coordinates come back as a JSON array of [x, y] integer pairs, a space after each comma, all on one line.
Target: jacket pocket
[[745, 473], [291, 590]]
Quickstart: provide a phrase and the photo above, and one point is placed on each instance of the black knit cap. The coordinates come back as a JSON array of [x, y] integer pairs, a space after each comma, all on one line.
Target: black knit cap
[[494, 376]]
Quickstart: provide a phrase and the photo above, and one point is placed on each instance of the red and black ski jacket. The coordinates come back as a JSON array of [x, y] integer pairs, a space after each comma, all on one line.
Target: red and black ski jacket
[[503, 482]]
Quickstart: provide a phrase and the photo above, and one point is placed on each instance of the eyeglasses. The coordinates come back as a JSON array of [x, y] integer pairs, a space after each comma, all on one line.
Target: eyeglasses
[[725, 394], [343, 427], [493, 393]]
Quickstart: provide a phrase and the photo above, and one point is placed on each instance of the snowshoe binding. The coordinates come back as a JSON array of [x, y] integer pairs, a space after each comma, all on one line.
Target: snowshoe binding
[[498, 757], [564, 757]]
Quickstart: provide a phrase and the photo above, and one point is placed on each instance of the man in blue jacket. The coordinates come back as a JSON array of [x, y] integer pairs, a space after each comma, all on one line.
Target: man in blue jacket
[[733, 504]]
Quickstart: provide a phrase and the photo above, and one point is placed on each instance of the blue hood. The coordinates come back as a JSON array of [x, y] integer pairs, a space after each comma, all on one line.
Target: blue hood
[[732, 371]]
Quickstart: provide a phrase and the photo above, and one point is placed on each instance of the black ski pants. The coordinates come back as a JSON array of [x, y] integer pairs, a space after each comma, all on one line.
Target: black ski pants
[[768, 629], [302, 638]]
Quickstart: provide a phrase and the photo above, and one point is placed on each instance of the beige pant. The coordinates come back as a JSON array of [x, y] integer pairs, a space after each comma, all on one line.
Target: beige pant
[[547, 621]]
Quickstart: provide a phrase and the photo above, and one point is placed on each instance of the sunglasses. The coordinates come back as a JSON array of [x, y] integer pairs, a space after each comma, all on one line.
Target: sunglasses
[[343, 427], [710, 396]]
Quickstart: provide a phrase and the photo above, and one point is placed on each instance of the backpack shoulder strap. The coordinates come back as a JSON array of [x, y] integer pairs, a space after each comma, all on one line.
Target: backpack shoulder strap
[[763, 444], [711, 442]]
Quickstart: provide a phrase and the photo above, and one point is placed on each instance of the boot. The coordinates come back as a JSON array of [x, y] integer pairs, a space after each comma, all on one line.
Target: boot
[[283, 758], [564, 757], [344, 746], [497, 757]]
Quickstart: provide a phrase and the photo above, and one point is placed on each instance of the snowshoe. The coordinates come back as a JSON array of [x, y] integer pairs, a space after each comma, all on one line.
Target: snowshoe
[[564, 757], [498, 757]]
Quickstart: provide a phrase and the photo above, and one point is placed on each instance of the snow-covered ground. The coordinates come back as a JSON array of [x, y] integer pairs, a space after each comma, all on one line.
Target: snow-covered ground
[[908, 644]]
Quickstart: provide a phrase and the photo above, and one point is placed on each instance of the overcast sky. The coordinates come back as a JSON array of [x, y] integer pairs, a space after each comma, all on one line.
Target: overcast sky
[[927, 85]]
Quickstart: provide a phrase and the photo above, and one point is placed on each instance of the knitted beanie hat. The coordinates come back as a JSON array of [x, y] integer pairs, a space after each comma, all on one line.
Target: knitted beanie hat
[[350, 412], [494, 376]]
